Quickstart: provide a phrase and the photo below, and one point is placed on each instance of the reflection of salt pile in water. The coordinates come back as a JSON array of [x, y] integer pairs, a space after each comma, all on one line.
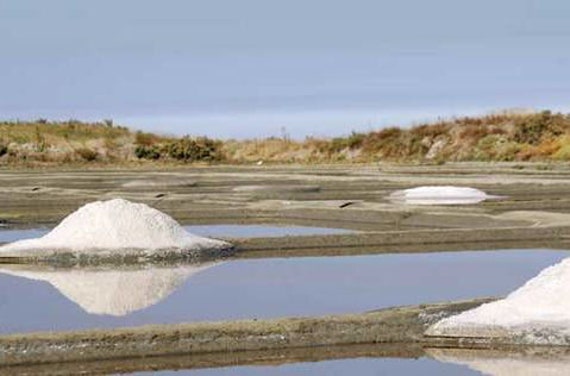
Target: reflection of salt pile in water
[[112, 292], [115, 226], [439, 195], [505, 364], [538, 312]]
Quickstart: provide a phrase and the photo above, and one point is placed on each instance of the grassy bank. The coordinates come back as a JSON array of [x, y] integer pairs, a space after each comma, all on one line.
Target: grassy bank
[[542, 136]]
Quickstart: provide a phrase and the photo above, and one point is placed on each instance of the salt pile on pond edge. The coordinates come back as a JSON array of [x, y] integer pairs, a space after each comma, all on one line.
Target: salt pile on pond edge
[[536, 313], [439, 195], [115, 226]]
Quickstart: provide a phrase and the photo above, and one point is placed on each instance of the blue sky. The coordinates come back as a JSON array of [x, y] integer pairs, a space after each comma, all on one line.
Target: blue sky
[[250, 68]]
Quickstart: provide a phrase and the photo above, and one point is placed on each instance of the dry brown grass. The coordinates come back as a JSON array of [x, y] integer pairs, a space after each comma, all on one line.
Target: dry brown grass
[[495, 137]]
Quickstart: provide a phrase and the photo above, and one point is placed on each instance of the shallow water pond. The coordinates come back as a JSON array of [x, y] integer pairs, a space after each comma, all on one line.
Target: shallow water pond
[[435, 362], [264, 288], [254, 231], [224, 231], [12, 235], [358, 366]]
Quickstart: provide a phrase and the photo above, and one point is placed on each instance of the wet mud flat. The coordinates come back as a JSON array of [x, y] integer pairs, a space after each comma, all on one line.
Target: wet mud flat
[[534, 209], [535, 212]]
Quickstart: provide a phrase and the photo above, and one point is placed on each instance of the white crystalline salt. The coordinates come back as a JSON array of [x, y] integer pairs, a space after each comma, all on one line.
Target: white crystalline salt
[[113, 226], [541, 305], [439, 195], [113, 292]]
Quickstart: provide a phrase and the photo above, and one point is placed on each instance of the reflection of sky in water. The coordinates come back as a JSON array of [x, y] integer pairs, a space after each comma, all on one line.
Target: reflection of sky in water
[[225, 231], [359, 366], [8, 236], [253, 231], [285, 287], [445, 362]]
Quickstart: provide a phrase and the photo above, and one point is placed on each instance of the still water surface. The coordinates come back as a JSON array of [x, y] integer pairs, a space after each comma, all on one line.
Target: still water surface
[[225, 231], [39, 299], [434, 362], [33, 299], [358, 366]]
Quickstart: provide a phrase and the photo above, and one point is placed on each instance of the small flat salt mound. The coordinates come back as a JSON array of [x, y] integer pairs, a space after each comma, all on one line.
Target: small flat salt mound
[[506, 364], [536, 313], [114, 227], [439, 195], [111, 292]]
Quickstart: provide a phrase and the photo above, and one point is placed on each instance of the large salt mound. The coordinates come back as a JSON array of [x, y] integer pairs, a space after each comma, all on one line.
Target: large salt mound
[[439, 195], [538, 312], [112, 292], [113, 227]]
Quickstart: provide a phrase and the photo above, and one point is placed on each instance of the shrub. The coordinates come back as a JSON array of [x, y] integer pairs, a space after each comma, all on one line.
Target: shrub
[[198, 149], [145, 139], [355, 140], [563, 152], [429, 130], [336, 145], [87, 154], [535, 128], [548, 148], [41, 144], [473, 133], [494, 147], [387, 142], [147, 152], [3, 150]]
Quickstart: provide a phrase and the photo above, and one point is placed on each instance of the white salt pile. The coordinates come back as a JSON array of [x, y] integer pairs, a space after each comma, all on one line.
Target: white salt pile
[[113, 227], [439, 195], [538, 312], [113, 292]]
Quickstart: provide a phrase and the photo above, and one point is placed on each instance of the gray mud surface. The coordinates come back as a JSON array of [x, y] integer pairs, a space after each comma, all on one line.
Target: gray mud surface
[[535, 209]]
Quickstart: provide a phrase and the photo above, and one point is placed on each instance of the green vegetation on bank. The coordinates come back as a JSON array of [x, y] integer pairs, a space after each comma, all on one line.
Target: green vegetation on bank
[[541, 136]]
